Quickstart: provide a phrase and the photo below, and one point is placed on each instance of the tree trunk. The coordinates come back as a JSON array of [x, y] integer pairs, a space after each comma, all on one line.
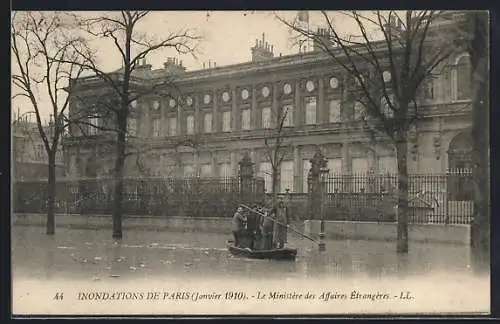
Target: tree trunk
[[275, 185], [402, 191], [118, 182], [51, 201], [480, 226]]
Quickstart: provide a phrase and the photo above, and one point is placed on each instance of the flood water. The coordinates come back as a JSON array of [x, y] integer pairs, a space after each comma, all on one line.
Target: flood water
[[75, 260]]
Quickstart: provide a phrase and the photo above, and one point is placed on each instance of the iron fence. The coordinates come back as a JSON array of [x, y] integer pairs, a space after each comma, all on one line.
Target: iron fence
[[198, 197], [433, 198]]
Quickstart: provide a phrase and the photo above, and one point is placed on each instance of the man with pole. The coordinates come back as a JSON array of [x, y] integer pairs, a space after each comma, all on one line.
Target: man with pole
[[265, 216]]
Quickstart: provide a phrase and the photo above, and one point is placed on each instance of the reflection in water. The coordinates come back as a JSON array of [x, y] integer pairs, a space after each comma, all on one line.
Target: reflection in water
[[50, 263], [93, 255], [402, 265]]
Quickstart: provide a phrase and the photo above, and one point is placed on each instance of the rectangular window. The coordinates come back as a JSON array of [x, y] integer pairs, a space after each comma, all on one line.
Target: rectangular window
[[384, 105], [189, 170], [306, 166], [207, 123], [359, 165], [172, 126], [206, 170], [266, 117], [132, 126], [429, 89], [93, 124], [334, 111], [335, 175], [310, 110], [286, 177], [190, 124], [265, 172], [446, 79], [335, 166], [359, 170], [387, 164], [225, 173], [245, 119], [288, 116], [225, 170], [156, 127], [226, 121], [359, 110], [463, 79]]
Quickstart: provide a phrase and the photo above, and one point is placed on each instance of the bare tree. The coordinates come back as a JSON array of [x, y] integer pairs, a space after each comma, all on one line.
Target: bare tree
[[122, 31], [386, 61], [476, 32], [45, 58], [23, 136], [276, 146]]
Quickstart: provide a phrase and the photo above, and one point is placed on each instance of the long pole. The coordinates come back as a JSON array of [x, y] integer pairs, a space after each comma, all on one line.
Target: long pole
[[274, 220]]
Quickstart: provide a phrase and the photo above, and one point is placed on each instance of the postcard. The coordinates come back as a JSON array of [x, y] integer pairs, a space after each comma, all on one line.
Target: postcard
[[250, 163]]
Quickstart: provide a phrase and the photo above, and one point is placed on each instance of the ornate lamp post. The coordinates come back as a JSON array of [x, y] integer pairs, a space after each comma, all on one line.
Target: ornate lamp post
[[318, 175], [323, 179]]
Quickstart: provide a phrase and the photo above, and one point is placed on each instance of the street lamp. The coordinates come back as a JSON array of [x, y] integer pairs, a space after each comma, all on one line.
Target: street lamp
[[323, 176]]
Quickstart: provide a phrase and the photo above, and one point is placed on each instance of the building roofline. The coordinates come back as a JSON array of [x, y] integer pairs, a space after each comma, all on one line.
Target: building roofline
[[249, 67]]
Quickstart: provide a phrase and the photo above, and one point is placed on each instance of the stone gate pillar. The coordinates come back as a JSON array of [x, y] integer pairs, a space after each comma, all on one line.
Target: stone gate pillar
[[246, 178], [315, 184]]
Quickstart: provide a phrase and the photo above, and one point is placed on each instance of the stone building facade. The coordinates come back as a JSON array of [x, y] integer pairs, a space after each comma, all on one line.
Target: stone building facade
[[29, 158], [230, 110]]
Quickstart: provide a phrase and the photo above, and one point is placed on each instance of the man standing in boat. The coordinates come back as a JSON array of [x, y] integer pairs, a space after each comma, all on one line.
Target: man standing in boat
[[280, 228], [252, 227], [267, 230], [239, 221]]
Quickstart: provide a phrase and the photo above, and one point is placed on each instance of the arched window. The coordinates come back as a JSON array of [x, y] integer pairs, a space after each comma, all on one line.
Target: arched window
[[463, 83], [459, 167]]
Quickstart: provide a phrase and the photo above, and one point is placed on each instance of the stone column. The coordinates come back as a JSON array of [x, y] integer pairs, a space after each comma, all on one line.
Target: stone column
[[298, 107], [234, 163], [215, 166], [346, 158], [372, 167], [197, 116], [254, 114], [346, 104], [275, 106], [163, 117], [180, 124], [372, 159], [215, 113], [297, 170], [256, 158], [346, 166], [196, 162], [235, 125], [321, 109], [146, 126]]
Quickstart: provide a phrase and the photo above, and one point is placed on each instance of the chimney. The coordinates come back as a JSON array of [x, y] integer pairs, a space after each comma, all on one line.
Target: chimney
[[142, 65], [173, 66], [394, 25], [262, 50], [322, 36]]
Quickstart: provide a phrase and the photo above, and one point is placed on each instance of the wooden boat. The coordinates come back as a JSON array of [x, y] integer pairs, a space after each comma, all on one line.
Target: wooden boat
[[284, 254]]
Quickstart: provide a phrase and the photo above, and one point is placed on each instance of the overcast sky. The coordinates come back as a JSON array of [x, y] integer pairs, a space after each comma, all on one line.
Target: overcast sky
[[227, 38]]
